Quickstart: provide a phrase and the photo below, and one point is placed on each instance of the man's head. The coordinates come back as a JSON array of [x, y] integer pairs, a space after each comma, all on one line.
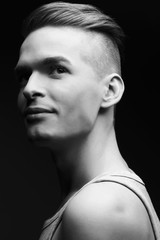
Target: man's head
[[85, 17], [69, 69]]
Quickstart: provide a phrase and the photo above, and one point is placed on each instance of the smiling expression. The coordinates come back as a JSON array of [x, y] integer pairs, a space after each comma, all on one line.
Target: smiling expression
[[60, 94]]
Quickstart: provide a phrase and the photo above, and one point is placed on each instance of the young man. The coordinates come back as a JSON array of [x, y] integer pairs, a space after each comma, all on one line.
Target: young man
[[69, 71]]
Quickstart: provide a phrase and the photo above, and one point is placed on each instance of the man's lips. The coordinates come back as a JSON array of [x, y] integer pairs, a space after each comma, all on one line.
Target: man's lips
[[33, 113], [36, 110]]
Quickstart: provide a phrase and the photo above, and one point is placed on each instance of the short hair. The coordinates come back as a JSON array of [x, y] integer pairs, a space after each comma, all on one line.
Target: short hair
[[83, 16]]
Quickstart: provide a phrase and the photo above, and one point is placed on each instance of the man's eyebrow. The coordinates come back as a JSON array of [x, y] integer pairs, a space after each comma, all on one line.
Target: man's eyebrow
[[19, 68], [42, 62], [54, 60]]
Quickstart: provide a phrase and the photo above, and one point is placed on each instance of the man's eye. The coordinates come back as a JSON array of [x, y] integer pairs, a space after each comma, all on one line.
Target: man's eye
[[60, 70], [22, 78], [57, 70]]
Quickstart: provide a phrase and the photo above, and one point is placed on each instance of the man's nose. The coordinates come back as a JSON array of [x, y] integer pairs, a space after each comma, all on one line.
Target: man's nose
[[33, 88]]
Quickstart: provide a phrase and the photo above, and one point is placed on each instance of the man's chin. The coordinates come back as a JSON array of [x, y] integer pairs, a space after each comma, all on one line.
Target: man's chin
[[44, 139], [38, 138]]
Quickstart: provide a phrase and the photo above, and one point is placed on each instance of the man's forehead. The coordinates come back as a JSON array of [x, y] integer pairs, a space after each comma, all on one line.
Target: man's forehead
[[68, 39]]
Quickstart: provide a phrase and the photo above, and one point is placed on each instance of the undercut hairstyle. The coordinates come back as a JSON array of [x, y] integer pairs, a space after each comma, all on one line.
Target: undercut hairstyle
[[82, 16]]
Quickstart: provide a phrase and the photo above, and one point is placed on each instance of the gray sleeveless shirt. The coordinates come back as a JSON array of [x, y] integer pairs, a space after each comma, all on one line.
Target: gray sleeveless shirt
[[129, 180]]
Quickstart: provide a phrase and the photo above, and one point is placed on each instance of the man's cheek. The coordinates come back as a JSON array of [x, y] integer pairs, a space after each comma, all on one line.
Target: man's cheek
[[21, 102]]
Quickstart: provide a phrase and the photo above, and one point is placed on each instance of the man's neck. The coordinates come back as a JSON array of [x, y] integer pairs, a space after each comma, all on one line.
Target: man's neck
[[84, 159]]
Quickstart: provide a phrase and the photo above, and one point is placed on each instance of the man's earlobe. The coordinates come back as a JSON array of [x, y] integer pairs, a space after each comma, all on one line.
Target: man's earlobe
[[113, 90]]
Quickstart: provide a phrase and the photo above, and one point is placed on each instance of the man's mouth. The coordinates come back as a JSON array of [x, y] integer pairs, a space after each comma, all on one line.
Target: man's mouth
[[36, 113]]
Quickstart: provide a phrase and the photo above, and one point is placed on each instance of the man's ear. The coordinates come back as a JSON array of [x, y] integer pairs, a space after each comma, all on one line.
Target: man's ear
[[113, 90]]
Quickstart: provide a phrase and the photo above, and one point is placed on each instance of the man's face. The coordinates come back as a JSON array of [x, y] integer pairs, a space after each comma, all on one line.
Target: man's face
[[60, 94]]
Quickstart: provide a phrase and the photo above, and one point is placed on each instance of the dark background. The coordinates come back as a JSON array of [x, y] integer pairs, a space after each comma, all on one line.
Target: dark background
[[29, 189]]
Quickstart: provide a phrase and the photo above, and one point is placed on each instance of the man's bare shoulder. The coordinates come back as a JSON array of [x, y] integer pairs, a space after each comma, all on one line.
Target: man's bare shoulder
[[106, 211]]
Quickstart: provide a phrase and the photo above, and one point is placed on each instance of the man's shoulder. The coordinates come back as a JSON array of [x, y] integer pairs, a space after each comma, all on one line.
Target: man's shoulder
[[106, 211]]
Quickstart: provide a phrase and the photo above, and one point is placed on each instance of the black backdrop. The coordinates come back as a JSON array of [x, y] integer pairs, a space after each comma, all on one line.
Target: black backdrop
[[29, 189]]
